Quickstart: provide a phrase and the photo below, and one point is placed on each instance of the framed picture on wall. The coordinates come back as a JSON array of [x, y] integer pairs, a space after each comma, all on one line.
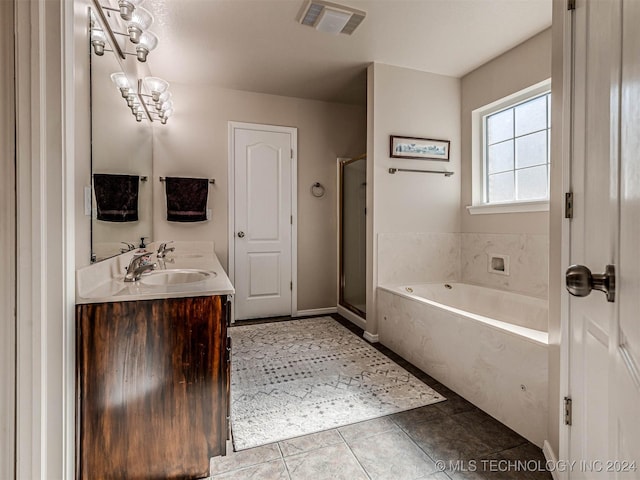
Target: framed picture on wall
[[418, 148]]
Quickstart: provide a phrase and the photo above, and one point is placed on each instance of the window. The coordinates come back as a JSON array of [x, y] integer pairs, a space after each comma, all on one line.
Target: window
[[512, 150]]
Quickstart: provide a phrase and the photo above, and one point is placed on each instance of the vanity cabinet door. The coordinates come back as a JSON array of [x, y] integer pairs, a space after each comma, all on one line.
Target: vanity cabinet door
[[151, 388]]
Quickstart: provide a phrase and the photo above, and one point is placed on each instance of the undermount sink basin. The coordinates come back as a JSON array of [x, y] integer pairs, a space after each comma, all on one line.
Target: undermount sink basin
[[175, 277]]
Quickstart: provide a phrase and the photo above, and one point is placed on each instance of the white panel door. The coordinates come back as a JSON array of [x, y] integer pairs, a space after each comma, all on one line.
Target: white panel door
[[604, 350], [263, 222]]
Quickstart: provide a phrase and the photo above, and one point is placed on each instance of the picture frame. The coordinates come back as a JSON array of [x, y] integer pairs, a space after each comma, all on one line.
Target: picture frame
[[418, 148]]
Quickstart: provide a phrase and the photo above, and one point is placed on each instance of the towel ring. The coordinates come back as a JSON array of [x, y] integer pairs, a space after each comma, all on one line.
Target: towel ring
[[317, 190]]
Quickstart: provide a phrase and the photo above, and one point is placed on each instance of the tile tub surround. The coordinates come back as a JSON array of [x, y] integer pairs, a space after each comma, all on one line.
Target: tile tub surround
[[405, 258], [529, 262], [418, 257], [486, 365]]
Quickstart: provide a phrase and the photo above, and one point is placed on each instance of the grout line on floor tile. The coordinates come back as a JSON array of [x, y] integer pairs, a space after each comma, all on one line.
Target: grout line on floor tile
[[416, 444], [286, 467], [354, 455], [313, 433]]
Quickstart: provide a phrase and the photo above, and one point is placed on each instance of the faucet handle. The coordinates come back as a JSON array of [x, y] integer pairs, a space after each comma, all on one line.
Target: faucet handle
[[162, 249], [130, 246]]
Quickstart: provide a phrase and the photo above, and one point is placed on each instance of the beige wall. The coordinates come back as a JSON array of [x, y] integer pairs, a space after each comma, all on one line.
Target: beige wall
[[195, 143], [520, 67], [419, 104], [7, 243]]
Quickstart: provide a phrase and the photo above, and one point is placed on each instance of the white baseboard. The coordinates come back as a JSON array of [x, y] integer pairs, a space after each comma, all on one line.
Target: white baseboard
[[352, 317], [315, 311], [550, 456], [369, 337]]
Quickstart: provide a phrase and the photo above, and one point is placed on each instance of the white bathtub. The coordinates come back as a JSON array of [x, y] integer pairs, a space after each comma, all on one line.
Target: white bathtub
[[490, 346]]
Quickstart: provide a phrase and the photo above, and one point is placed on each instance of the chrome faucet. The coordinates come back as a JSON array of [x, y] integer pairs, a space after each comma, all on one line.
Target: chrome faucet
[[130, 246], [163, 250], [137, 266]]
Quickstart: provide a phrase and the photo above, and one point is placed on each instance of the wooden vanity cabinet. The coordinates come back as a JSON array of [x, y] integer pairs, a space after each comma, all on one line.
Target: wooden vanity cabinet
[[152, 388]]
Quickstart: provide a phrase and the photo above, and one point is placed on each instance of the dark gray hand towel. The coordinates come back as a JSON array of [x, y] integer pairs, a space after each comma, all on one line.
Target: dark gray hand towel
[[116, 197], [186, 199]]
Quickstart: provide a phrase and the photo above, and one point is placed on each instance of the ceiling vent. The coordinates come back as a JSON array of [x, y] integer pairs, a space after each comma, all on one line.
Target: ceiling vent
[[331, 17]]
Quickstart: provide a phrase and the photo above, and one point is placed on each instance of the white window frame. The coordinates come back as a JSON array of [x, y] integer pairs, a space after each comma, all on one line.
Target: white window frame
[[478, 153]]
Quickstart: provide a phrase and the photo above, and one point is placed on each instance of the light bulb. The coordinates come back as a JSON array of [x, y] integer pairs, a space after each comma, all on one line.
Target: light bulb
[[127, 7], [163, 98], [148, 41], [168, 105], [139, 117], [157, 86], [120, 80], [164, 115], [92, 18], [98, 40], [140, 21], [131, 100]]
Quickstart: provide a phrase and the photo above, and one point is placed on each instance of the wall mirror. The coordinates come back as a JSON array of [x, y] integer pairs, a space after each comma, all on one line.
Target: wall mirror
[[119, 146]]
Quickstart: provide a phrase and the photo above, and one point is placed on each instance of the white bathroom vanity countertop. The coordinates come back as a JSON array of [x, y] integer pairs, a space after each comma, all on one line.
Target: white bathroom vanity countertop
[[104, 281]]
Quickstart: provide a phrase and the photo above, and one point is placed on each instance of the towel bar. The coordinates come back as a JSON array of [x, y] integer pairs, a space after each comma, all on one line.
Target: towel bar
[[212, 181], [441, 172]]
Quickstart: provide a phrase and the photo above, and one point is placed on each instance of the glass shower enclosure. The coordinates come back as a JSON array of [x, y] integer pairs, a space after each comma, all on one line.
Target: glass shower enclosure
[[353, 230]]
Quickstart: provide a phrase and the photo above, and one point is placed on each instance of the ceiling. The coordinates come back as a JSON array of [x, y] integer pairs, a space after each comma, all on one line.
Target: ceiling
[[258, 45]]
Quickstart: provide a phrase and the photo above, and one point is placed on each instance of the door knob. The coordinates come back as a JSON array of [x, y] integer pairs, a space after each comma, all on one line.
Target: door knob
[[241, 234], [580, 281]]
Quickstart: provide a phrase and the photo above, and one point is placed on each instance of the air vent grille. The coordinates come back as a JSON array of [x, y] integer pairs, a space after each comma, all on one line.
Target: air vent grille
[[315, 13], [312, 14], [355, 20]]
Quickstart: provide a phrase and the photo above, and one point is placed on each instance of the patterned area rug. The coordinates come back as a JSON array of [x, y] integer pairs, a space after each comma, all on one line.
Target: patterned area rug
[[304, 376]]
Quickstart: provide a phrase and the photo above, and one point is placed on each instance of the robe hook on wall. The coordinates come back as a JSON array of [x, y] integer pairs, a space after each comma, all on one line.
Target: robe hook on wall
[[317, 190]]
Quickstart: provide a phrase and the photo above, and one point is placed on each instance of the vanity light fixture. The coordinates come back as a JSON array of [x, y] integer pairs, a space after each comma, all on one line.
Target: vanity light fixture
[[148, 41], [140, 21], [166, 96], [168, 105], [154, 106], [127, 7], [157, 86], [164, 115], [98, 41], [137, 24], [120, 80], [131, 100]]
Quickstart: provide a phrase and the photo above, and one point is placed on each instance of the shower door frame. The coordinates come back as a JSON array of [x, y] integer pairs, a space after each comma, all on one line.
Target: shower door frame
[[341, 281]]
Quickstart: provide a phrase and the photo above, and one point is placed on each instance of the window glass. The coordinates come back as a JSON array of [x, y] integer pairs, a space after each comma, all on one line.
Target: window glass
[[501, 187], [500, 127], [531, 183], [531, 150], [531, 116], [500, 157], [516, 145]]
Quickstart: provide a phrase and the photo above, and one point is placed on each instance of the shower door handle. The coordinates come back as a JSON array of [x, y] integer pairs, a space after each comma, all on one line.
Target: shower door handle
[[241, 234], [580, 281]]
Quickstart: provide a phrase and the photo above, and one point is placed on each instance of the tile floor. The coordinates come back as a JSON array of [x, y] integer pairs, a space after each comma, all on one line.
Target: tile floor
[[405, 446]]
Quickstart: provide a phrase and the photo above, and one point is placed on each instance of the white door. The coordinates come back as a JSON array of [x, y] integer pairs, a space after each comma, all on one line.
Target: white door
[[604, 349], [263, 164]]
